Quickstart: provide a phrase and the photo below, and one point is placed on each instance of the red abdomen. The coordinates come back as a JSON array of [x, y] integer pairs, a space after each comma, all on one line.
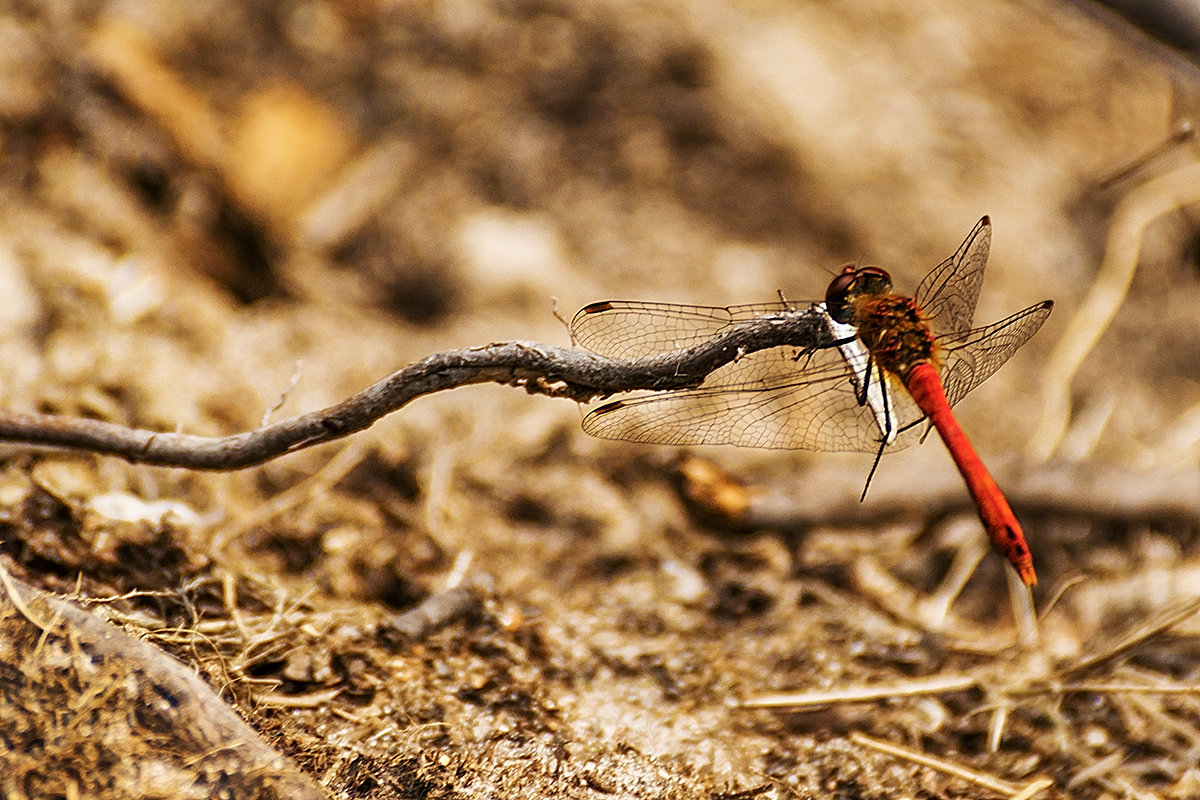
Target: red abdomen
[[998, 519]]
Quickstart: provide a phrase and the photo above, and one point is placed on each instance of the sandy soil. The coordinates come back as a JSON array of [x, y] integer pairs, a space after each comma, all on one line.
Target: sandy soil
[[219, 213]]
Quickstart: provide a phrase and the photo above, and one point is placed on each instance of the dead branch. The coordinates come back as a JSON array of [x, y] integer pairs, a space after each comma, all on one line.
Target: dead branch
[[541, 369], [79, 690]]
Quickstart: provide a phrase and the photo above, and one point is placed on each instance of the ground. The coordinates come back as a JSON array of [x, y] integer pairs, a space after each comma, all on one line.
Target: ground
[[219, 213]]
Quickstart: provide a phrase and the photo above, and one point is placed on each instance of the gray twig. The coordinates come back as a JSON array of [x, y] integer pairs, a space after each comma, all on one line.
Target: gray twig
[[541, 369]]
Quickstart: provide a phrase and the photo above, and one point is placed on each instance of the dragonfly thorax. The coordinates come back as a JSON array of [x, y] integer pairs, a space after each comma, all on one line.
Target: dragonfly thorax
[[894, 330]]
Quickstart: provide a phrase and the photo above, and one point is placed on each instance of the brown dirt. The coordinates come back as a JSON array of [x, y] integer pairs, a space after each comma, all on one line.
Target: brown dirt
[[218, 212]]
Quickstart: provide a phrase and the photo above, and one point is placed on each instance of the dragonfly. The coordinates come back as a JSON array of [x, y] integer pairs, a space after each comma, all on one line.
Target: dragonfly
[[890, 370]]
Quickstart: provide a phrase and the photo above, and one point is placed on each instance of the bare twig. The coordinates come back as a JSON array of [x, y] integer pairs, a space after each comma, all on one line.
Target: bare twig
[[120, 688], [310, 700], [796, 701], [435, 611], [1089, 492], [541, 369], [1130, 688], [1162, 621], [990, 782], [1126, 230]]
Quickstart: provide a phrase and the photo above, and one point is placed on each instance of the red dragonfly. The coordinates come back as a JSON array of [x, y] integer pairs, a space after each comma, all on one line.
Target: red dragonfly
[[890, 364]]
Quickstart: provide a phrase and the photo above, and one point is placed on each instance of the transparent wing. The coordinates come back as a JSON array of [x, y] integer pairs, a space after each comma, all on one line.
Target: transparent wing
[[780, 398], [626, 329], [971, 357], [948, 294], [785, 398], [775, 398]]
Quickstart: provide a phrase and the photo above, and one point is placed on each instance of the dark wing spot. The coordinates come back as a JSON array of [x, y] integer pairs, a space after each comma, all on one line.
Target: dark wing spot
[[609, 407]]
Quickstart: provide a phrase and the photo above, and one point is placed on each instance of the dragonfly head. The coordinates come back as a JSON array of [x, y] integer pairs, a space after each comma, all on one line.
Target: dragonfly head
[[851, 283]]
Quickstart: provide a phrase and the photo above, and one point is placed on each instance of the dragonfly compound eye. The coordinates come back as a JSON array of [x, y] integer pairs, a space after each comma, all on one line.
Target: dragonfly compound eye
[[853, 282], [837, 296], [872, 280]]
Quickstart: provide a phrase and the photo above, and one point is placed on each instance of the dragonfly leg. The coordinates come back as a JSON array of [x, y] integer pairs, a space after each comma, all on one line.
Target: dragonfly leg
[[808, 350], [874, 466], [865, 387], [887, 429]]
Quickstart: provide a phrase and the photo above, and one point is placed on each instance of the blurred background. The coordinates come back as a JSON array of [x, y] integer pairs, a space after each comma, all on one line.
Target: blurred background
[[217, 213]]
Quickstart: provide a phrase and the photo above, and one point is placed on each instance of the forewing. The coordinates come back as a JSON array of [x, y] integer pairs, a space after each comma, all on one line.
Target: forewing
[[774, 398], [971, 357], [625, 329], [948, 294]]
